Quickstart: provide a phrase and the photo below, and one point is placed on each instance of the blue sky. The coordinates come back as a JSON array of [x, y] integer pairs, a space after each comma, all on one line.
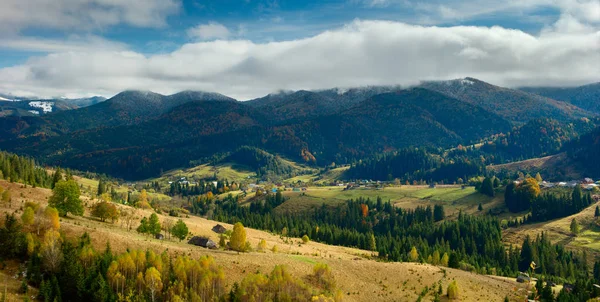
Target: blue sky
[[35, 34]]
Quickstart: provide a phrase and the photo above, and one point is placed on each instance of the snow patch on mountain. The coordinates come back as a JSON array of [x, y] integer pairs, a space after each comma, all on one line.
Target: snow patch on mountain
[[45, 106], [466, 81]]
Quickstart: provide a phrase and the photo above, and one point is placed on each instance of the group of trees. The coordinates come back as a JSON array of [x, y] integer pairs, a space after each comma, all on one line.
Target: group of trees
[[416, 164], [202, 188], [266, 165], [519, 196], [104, 210], [152, 226], [72, 270], [24, 170], [471, 243], [550, 205]]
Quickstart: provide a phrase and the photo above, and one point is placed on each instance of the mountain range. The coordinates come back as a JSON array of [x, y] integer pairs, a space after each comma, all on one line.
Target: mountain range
[[138, 134]]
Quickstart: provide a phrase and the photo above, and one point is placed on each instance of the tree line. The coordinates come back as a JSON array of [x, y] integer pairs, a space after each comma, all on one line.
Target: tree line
[[472, 243]]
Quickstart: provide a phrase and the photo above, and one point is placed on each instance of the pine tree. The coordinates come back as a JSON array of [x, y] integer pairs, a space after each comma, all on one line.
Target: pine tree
[[180, 230], [143, 227], [526, 254], [487, 187], [597, 212], [154, 224], [57, 177], [574, 227]]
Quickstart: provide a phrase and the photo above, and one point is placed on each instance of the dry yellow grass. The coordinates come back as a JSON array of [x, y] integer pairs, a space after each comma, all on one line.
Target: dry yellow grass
[[359, 278], [558, 231]]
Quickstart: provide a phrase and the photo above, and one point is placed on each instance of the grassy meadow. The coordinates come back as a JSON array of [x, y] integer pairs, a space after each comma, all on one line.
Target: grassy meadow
[[454, 198]]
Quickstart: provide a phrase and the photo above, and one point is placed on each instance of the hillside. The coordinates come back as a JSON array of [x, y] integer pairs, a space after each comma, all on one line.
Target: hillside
[[141, 142], [191, 131], [36, 107], [359, 278], [514, 105], [414, 117], [125, 108], [585, 151], [306, 104], [586, 97], [554, 167]]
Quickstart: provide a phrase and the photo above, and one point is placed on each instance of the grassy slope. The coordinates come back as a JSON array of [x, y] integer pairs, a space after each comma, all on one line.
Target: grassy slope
[[232, 172], [559, 231], [452, 197], [558, 164], [359, 278]]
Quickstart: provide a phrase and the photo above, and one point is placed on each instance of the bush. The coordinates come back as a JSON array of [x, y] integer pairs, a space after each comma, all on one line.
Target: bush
[[305, 239], [323, 277], [453, 290]]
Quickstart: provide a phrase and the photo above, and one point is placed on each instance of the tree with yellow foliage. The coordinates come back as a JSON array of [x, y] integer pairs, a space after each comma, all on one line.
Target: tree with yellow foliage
[[238, 238], [153, 282], [262, 245], [413, 255], [445, 259], [47, 219], [453, 290], [28, 216], [143, 202], [51, 251]]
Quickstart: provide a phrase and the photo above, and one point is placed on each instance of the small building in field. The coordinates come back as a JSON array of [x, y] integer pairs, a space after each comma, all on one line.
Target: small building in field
[[203, 242], [219, 229], [523, 277], [568, 287]]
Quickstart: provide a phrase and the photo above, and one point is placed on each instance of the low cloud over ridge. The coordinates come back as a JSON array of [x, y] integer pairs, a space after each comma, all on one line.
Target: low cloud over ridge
[[358, 54]]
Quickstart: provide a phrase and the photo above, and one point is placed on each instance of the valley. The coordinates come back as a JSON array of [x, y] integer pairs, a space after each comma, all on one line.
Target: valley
[[397, 194]]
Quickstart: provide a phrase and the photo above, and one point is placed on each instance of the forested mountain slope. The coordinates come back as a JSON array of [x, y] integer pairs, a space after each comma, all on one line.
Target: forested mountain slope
[[514, 105]]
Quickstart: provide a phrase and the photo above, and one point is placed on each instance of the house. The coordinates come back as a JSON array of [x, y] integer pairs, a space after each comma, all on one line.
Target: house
[[159, 236], [588, 181], [568, 287], [523, 277], [219, 229], [203, 242], [547, 185], [562, 184], [432, 185]]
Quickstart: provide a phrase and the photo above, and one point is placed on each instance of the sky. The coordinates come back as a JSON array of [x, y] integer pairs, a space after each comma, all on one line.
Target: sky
[[249, 48]]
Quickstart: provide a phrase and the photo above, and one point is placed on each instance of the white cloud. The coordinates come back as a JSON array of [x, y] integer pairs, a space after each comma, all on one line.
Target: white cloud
[[16, 15], [209, 31], [361, 53], [76, 43]]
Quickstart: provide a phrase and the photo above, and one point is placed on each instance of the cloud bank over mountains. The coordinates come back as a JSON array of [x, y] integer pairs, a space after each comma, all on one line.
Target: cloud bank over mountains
[[363, 52]]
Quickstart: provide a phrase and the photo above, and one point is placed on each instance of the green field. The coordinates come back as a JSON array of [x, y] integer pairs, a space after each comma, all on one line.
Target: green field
[[454, 198], [229, 171], [589, 238]]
